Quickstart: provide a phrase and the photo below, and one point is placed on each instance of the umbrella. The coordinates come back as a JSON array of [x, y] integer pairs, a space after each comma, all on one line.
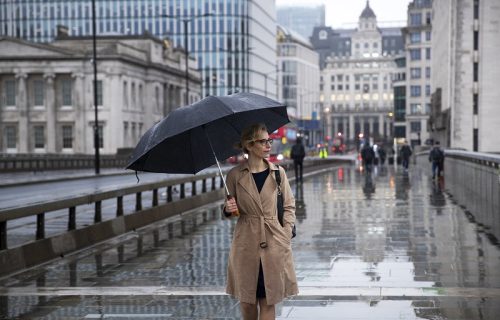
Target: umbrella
[[194, 137]]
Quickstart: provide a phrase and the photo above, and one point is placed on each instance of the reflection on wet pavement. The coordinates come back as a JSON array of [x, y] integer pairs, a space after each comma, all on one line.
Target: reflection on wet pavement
[[389, 245]]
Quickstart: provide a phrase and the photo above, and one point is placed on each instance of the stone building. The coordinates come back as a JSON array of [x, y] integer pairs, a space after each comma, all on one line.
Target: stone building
[[465, 74], [47, 103], [417, 36], [356, 81], [298, 86]]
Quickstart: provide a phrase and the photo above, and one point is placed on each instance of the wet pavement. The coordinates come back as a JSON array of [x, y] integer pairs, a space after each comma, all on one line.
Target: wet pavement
[[390, 245]]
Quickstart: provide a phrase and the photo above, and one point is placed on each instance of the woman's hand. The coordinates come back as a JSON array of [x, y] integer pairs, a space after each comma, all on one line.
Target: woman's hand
[[230, 205]]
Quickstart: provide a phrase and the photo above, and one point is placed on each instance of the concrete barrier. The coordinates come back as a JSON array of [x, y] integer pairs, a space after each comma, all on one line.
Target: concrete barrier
[[473, 179]]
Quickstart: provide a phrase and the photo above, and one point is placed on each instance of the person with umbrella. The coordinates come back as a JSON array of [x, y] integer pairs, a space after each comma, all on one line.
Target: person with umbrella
[[261, 272]]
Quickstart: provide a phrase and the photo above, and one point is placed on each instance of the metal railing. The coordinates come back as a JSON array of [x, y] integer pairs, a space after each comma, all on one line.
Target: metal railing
[[42, 162]]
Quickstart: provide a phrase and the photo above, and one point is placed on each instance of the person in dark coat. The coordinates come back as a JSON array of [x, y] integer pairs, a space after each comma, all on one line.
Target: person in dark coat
[[298, 153], [405, 153], [436, 156], [382, 155], [368, 155]]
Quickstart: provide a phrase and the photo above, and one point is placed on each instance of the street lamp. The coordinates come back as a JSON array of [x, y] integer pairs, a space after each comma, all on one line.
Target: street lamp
[[96, 123], [185, 20]]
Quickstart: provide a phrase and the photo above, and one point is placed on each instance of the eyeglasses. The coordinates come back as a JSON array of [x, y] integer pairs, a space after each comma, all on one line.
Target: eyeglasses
[[264, 141]]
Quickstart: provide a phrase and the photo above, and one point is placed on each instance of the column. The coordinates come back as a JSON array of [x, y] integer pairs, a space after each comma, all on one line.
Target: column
[[335, 126], [50, 112], [329, 118], [344, 127], [381, 125], [78, 104], [22, 106], [351, 127], [370, 125]]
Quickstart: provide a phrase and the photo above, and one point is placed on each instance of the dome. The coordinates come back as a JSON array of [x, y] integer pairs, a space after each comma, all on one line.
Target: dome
[[367, 12]]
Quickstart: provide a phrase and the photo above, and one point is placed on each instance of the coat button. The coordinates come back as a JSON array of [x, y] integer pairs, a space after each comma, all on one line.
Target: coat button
[[263, 245]]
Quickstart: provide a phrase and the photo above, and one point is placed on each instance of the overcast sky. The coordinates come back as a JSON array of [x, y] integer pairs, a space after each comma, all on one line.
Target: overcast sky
[[339, 13]]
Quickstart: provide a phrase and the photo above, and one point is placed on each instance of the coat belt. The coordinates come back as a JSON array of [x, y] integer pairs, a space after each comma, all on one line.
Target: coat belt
[[262, 222]]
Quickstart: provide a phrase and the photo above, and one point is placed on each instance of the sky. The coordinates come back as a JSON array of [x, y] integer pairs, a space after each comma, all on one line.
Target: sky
[[343, 13]]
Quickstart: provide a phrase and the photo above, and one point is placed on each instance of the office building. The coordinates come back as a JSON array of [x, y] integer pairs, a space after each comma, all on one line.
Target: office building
[[465, 74], [233, 41]]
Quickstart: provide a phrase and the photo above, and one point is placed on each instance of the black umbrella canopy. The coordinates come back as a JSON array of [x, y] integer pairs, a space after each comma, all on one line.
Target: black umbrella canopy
[[180, 142]]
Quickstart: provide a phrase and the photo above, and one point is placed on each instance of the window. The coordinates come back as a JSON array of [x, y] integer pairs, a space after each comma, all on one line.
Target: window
[[415, 73], [39, 133], [476, 9], [428, 53], [415, 19], [356, 86], [427, 90], [38, 93], [428, 18], [11, 137], [415, 91], [99, 92], [332, 87], [415, 126], [415, 54], [332, 78], [339, 77], [427, 36], [367, 45], [10, 92], [157, 97], [323, 35], [67, 93], [428, 72], [133, 96], [340, 87], [415, 108], [415, 37], [67, 137]]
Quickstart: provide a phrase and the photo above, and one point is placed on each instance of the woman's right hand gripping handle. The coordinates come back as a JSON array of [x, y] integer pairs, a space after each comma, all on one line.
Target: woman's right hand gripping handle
[[230, 207]]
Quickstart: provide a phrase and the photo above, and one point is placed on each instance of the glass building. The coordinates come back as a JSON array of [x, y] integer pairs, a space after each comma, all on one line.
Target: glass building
[[233, 41]]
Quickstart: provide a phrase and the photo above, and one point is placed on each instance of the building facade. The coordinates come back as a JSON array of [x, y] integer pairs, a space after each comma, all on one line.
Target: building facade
[[233, 41], [417, 36], [47, 103], [298, 72], [465, 74], [301, 19], [356, 82]]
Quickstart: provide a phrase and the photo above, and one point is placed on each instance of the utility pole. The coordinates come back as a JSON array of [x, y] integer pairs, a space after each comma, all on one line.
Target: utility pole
[[96, 120]]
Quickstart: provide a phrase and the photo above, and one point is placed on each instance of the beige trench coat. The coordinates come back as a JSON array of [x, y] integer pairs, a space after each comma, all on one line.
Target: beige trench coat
[[258, 222]]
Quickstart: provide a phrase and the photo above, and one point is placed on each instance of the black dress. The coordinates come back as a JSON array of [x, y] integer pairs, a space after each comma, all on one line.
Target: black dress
[[260, 178]]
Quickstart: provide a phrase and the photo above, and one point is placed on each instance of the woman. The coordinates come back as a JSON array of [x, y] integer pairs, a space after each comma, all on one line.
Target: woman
[[260, 269]]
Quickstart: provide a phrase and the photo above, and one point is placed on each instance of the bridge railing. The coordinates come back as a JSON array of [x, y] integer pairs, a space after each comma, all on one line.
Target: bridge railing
[[473, 179], [204, 189]]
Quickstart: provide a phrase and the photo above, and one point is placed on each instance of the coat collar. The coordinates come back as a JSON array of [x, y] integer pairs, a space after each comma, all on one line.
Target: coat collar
[[247, 182], [272, 166]]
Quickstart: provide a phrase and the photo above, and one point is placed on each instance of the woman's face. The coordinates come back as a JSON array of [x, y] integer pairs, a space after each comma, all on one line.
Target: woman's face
[[260, 146]]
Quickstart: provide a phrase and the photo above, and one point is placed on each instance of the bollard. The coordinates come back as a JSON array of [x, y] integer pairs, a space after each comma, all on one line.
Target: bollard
[[72, 218], [97, 215], [169, 194], [3, 235], [138, 201], [40, 226], [119, 206], [155, 198]]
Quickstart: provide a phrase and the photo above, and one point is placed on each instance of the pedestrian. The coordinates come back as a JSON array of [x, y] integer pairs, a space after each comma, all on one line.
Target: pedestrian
[[405, 153], [298, 153], [382, 155], [436, 156], [260, 270], [368, 155]]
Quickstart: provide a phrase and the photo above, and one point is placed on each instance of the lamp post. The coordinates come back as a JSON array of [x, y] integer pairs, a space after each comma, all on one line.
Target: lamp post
[[96, 123], [185, 21]]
